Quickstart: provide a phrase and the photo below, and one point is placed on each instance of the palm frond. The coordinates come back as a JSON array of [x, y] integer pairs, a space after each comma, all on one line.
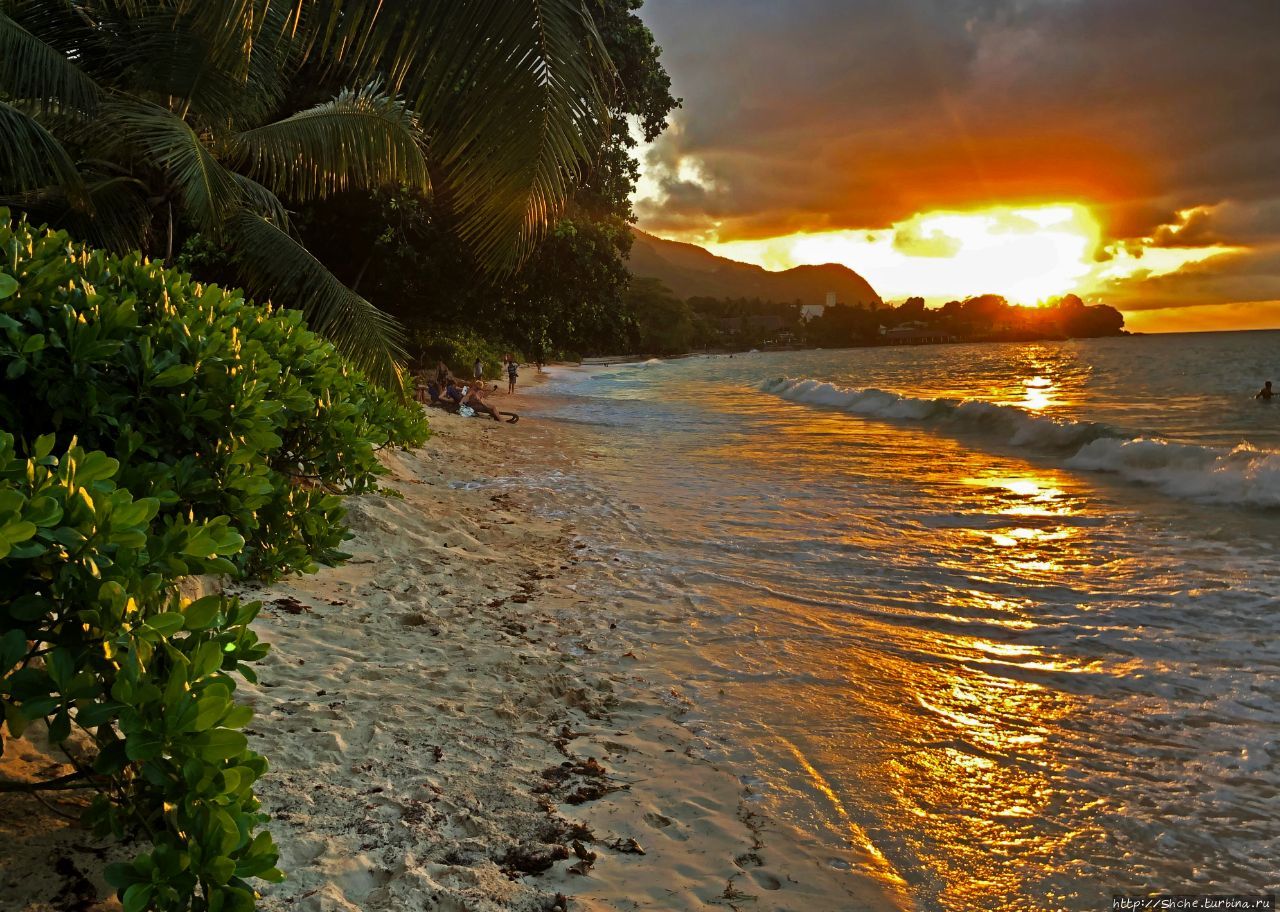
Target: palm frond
[[210, 193], [512, 93], [188, 63], [31, 157], [530, 111], [363, 138], [276, 266], [117, 216], [257, 198], [33, 71]]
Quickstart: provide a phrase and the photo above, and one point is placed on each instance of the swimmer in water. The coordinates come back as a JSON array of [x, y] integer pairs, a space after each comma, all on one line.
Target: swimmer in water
[[1265, 392]]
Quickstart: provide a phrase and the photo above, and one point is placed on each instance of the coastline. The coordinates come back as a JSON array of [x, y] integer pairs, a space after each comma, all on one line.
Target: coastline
[[447, 717], [495, 744]]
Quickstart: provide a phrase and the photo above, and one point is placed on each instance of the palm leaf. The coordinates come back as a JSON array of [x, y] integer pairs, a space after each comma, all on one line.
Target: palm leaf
[[33, 71], [30, 156], [512, 93], [206, 63], [117, 217], [258, 199], [278, 267], [532, 108], [210, 193], [362, 138]]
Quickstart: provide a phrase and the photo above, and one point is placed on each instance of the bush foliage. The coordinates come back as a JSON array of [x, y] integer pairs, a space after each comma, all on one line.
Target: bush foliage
[[459, 349], [154, 429]]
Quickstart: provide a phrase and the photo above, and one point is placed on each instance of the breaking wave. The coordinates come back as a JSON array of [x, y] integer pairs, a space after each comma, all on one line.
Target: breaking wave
[[1244, 475]]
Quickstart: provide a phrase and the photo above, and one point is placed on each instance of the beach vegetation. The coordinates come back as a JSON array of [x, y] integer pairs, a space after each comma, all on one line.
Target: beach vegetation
[[406, 251], [155, 429], [139, 125], [667, 324]]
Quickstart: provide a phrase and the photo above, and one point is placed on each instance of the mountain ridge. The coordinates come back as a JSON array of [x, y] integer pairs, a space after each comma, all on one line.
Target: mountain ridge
[[692, 271]]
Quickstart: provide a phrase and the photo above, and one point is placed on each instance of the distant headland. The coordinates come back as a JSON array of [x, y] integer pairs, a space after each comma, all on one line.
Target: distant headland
[[687, 298]]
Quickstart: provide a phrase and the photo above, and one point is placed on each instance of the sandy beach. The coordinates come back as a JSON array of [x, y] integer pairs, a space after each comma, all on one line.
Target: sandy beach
[[452, 727]]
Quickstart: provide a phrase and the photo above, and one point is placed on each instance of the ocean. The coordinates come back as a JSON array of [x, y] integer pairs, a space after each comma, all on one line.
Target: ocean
[[996, 624]]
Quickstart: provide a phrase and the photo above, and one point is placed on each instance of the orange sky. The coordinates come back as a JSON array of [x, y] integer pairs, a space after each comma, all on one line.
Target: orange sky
[[947, 149]]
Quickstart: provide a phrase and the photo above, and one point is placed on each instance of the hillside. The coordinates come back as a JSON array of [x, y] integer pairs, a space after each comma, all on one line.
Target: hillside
[[688, 270]]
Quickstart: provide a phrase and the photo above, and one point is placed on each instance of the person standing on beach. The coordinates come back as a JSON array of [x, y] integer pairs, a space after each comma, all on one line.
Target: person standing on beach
[[477, 371], [512, 368]]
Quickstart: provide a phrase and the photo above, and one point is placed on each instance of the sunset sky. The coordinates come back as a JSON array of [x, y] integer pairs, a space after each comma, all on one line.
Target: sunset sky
[[1125, 150]]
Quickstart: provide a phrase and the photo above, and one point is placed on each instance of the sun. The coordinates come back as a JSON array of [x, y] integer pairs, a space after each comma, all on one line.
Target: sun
[[1027, 253]]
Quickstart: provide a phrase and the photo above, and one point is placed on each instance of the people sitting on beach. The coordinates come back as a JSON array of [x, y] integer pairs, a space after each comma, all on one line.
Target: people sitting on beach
[[1265, 392], [438, 397], [475, 399]]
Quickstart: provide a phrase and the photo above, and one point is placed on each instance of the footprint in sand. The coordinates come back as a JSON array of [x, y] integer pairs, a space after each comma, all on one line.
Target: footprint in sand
[[766, 880]]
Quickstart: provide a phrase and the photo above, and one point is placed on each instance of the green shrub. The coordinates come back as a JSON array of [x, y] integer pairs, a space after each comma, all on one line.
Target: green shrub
[[211, 404], [155, 428], [459, 348], [95, 637]]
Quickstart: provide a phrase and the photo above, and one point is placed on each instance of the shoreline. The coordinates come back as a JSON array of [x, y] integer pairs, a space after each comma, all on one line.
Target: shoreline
[[446, 717]]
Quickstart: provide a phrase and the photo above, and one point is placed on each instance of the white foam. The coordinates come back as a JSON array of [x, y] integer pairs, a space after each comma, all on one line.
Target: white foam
[[1244, 475]]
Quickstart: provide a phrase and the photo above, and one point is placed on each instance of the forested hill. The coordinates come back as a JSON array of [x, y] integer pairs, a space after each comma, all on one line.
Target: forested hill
[[690, 271]]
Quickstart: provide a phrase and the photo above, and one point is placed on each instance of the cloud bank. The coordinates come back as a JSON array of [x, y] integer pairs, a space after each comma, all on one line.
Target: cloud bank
[[816, 115]]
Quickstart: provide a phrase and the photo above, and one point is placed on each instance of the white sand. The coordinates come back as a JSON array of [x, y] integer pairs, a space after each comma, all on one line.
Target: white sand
[[451, 727]]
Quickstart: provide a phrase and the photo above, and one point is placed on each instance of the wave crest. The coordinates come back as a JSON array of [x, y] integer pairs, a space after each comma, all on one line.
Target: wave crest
[[1244, 475]]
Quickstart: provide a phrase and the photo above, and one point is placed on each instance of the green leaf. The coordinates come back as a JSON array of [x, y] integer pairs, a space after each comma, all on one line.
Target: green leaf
[[120, 875], [61, 667], [43, 511], [143, 746], [95, 714], [207, 659], [220, 869], [16, 532], [33, 344], [13, 646], [168, 623], [201, 613], [8, 285], [60, 728], [238, 716], [209, 710], [172, 376], [219, 744], [44, 444], [137, 897]]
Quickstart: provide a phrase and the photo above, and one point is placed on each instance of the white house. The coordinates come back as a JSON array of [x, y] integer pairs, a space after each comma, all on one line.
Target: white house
[[813, 311]]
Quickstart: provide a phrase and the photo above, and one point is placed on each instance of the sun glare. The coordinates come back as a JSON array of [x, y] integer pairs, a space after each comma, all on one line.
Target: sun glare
[[1028, 254]]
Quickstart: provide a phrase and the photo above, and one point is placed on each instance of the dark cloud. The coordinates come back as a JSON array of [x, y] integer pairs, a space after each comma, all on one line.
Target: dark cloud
[[1245, 277], [1194, 229], [818, 114]]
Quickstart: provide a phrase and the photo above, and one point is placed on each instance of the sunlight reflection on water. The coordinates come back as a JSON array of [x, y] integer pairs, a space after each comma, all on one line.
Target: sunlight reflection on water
[[1022, 685]]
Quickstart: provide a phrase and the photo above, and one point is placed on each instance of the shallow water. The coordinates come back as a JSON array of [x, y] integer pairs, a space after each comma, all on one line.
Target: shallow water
[[1004, 616]]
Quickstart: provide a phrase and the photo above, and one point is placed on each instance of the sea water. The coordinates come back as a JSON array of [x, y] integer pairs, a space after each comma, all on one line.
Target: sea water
[[1002, 618]]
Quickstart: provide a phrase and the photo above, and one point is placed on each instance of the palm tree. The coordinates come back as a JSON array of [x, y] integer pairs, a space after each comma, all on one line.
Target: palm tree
[[132, 121]]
